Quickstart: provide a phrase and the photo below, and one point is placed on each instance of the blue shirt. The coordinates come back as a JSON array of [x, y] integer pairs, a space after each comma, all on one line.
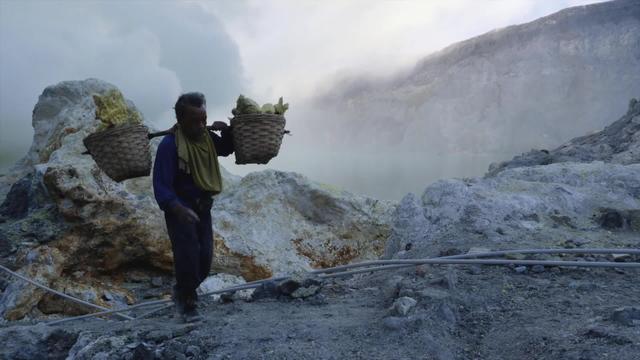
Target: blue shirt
[[171, 185]]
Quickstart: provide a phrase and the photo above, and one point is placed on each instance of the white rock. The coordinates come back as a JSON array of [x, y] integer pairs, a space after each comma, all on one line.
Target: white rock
[[274, 223], [222, 281], [402, 306], [538, 207]]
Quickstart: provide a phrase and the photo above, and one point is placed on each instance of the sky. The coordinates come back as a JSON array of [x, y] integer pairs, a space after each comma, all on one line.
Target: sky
[[155, 50]]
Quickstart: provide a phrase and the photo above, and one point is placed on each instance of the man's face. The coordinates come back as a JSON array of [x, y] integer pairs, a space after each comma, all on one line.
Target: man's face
[[193, 122]]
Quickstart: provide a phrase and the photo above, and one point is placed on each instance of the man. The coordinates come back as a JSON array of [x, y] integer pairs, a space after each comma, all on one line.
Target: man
[[186, 175]]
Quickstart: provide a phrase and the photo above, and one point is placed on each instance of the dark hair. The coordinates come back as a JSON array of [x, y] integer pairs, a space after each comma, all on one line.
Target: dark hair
[[195, 99]]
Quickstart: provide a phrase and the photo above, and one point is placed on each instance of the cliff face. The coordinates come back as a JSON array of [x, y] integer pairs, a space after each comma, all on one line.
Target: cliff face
[[506, 91]]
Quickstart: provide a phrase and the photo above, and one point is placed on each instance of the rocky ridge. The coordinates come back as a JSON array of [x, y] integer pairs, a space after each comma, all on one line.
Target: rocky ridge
[[502, 91]]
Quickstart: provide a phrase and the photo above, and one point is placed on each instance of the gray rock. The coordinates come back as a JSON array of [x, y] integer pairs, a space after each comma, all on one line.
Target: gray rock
[[391, 288], [628, 316], [193, 350], [283, 222], [507, 199], [520, 269], [222, 281], [537, 268], [305, 292], [141, 352], [617, 143], [445, 312], [611, 336], [402, 306], [394, 323], [432, 295]]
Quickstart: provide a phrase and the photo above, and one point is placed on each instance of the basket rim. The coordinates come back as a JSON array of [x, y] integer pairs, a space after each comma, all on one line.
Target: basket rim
[[242, 116], [114, 130]]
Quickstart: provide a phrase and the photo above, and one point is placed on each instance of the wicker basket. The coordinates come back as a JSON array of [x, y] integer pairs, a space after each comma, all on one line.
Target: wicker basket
[[122, 152], [257, 137]]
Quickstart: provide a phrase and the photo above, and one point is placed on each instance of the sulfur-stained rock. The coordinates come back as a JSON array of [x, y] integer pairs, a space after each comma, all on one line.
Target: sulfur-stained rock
[[274, 222], [59, 197], [43, 265], [94, 292]]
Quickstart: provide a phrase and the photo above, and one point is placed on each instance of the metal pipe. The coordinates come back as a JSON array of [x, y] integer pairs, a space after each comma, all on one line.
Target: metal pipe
[[396, 264], [391, 264], [487, 254]]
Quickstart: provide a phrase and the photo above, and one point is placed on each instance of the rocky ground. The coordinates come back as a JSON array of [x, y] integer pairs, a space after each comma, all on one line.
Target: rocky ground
[[57, 216], [447, 313]]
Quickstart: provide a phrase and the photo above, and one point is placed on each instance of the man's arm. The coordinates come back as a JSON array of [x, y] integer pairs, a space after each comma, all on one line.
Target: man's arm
[[165, 169], [224, 142]]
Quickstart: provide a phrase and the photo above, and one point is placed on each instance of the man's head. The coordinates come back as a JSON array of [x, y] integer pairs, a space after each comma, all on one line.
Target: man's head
[[191, 113]]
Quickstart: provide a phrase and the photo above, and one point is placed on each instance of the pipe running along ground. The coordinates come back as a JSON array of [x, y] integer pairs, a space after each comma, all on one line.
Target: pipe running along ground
[[68, 297], [462, 259]]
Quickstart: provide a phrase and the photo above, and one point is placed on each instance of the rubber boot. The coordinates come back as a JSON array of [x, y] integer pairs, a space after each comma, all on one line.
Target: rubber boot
[[191, 312], [180, 302]]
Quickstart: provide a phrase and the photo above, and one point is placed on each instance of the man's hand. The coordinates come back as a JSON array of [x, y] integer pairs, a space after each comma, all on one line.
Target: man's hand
[[184, 214], [219, 125]]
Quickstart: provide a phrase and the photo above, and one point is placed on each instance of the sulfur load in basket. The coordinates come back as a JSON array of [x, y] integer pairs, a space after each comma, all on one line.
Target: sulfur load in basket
[[120, 147], [257, 131]]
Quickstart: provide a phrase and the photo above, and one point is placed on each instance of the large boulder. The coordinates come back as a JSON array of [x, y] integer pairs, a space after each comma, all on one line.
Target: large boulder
[[275, 222], [58, 198]]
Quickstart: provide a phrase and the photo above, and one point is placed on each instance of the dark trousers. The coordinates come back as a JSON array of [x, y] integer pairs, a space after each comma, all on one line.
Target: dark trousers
[[192, 246]]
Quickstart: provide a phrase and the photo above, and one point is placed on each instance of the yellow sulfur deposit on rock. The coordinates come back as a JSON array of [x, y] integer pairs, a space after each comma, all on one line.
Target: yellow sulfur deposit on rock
[[112, 110]]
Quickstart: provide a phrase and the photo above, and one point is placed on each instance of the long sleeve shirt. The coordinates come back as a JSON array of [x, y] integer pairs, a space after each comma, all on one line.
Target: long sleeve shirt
[[171, 185]]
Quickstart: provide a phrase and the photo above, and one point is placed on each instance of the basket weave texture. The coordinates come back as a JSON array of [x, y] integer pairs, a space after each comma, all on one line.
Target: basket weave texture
[[122, 152], [257, 137]]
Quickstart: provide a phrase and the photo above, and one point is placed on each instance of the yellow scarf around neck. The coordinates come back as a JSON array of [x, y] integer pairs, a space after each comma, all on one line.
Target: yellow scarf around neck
[[199, 158]]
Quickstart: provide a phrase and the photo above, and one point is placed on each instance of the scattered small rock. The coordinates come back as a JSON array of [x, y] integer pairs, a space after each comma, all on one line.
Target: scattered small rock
[[478, 250], [391, 288], [537, 268], [266, 290], [421, 271], [575, 242], [628, 316], [445, 312], [158, 336], [156, 281], [452, 277], [107, 295], [292, 284], [402, 306], [192, 350], [317, 299], [431, 294], [520, 269], [394, 323], [621, 257], [474, 269], [305, 292], [603, 333], [141, 352], [611, 219]]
